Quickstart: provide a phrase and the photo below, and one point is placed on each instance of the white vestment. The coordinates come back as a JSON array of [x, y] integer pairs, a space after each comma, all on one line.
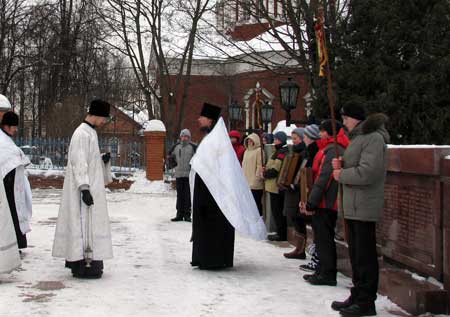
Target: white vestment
[[9, 251], [12, 157], [84, 169], [216, 162]]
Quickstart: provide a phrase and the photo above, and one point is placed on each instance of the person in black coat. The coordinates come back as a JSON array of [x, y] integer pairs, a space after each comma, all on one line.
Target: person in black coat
[[212, 233]]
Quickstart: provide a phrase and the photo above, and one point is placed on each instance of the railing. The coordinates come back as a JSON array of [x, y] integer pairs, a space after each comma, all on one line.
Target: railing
[[51, 153]]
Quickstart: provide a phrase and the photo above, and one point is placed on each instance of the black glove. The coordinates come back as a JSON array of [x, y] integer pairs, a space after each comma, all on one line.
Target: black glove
[[87, 197], [106, 157]]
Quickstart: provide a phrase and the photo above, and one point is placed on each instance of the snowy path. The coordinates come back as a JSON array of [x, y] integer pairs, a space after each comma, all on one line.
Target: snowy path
[[151, 275]]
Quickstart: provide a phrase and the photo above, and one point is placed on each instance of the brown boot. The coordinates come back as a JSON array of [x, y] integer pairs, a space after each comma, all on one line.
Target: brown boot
[[299, 251]]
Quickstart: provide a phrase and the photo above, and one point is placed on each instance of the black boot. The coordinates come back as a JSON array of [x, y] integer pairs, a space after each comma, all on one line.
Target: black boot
[[318, 279], [359, 310], [187, 217], [177, 219], [340, 305]]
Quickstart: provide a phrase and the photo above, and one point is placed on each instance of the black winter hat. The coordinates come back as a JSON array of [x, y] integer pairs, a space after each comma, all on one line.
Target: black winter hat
[[354, 109], [327, 126], [99, 108], [11, 119], [210, 111]]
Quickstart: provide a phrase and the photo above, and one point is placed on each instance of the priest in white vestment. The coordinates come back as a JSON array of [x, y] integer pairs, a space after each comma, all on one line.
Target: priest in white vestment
[[222, 200], [16, 186], [83, 233]]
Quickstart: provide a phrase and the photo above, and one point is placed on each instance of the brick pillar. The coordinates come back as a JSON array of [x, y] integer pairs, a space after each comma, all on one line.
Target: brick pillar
[[445, 177], [155, 137]]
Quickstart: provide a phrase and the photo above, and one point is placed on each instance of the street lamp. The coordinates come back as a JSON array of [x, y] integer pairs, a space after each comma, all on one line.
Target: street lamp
[[266, 114], [288, 97], [235, 111]]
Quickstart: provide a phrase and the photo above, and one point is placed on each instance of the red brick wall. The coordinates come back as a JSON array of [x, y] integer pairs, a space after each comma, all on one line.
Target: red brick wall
[[57, 182], [411, 231], [221, 90]]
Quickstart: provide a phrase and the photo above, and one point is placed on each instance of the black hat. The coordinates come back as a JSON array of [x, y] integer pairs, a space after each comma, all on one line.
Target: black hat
[[327, 126], [11, 119], [210, 111], [354, 109], [99, 108]]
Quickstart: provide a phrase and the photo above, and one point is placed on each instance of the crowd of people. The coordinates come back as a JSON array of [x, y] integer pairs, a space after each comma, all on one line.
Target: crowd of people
[[329, 169], [346, 164]]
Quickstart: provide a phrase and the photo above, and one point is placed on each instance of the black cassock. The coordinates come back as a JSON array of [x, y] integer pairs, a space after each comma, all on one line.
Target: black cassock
[[212, 233], [8, 182]]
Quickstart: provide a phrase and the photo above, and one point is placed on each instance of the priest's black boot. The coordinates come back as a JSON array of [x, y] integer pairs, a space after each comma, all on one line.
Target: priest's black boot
[[177, 219], [357, 310], [336, 305]]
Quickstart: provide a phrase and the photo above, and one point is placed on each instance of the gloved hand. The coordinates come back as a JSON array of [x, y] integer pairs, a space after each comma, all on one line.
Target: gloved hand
[[309, 207], [87, 197], [106, 157]]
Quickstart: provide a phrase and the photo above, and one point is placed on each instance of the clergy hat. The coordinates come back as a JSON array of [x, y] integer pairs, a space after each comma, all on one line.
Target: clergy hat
[[99, 108], [11, 119], [210, 111]]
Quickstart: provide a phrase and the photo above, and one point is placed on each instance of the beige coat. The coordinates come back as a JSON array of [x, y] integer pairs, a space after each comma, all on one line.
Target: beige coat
[[252, 163]]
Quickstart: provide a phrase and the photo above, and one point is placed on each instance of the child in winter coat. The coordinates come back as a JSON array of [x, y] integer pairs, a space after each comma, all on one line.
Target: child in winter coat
[[271, 172], [322, 204]]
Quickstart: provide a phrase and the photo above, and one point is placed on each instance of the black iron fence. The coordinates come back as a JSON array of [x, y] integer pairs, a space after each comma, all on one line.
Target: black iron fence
[[51, 153]]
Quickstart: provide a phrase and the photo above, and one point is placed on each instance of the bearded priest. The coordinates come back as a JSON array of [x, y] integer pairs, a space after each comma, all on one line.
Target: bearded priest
[[222, 200]]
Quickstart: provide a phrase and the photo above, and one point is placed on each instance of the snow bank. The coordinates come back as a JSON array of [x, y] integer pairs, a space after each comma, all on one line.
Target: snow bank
[[154, 126], [44, 172], [142, 185], [4, 103]]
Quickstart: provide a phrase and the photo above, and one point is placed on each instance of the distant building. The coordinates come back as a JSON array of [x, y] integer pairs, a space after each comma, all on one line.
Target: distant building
[[222, 80], [122, 126]]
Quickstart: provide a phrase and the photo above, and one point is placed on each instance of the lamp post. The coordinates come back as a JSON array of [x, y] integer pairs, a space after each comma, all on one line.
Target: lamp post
[[266, 114], [235, 112], [288, 97]]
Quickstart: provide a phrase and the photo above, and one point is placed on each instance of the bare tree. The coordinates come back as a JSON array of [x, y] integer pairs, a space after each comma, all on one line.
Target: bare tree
[[141, 30]]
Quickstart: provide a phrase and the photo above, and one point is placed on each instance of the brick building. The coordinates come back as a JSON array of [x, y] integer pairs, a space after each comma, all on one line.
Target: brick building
[[221, 81], [122, 126]]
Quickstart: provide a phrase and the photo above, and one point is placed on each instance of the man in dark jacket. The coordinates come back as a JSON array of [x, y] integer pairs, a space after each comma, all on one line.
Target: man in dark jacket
[[322, 202], [182, 152], [212, 233], [362, 174]]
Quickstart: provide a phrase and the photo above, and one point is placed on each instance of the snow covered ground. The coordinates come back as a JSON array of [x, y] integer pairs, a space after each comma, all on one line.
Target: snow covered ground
[[151, 276]]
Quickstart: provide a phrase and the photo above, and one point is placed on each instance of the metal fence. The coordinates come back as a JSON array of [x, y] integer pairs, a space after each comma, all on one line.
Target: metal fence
[[51, 153]]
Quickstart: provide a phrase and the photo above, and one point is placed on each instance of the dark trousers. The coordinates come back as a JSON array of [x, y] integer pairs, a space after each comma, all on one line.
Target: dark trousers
[[257, 195], [183, 197], [276, 206], [324, 222], [363, 256]]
